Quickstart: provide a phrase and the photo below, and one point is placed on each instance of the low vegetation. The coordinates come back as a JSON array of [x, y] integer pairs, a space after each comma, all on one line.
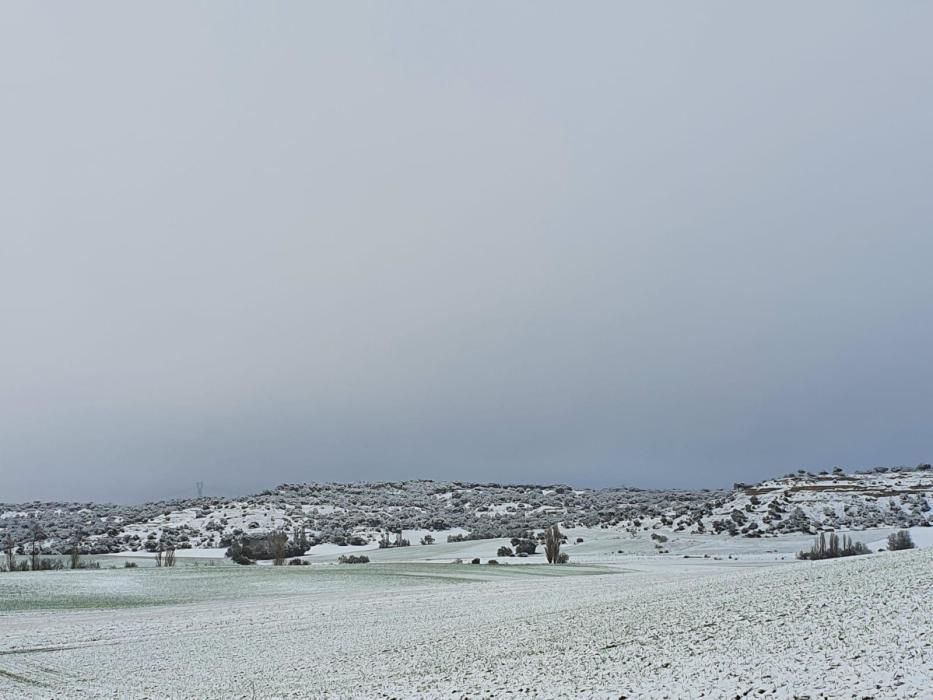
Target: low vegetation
[[353, 559]]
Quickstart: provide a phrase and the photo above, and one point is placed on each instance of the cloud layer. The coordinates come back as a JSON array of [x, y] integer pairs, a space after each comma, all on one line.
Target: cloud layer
[[656, 246]]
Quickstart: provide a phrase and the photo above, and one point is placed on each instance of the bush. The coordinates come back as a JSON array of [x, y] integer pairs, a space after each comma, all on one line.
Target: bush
[[505, 552], [524, 546], [475, 561], [129, 565], [297, 562], [50, 565], [900, 540], [276, 546], [492, 561], [563, 558], [353, 559], [238, 553]]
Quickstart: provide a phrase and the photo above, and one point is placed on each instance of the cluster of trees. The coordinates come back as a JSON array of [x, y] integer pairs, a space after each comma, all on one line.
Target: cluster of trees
[[32, 552], [165, 555], [528, 544], [277, 545], [900, 540], [399, 541], [833, 546]]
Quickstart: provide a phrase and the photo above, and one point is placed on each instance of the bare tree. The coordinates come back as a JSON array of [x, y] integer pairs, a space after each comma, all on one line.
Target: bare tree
[[300, 538], [158, 555], [552, 544], [8, 551], [278, 541], [169, 557], [77, 537], [35, 536]]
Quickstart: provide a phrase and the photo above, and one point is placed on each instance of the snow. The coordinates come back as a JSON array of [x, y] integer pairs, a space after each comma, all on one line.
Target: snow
[[921, 536], [646, 626]]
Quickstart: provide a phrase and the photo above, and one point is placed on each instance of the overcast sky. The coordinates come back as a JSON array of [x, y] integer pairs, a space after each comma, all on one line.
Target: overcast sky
[[601, 244]]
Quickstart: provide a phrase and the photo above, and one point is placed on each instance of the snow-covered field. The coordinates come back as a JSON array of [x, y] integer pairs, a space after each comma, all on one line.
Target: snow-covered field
[[693, 623]]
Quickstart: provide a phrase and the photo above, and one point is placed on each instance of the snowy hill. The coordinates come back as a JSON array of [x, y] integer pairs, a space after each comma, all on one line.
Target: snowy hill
[[362, 513], [805, 502]]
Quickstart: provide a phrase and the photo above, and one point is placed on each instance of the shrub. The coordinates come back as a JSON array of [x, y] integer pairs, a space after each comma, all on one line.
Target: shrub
[[505, 552], [562, 558], [353, 559], [129, 565], [900, 540], [475, 561], [253, 546], [524, 546], [238, 553], [492, 561], [277, 543], [427, 539], [48, 565], [297, 562]]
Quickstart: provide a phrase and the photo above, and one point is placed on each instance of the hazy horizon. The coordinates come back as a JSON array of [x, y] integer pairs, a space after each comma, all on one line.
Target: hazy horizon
[[658, 246]]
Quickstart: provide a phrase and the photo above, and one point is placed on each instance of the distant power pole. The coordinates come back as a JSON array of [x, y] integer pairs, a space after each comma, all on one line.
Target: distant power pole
[[200, 487]]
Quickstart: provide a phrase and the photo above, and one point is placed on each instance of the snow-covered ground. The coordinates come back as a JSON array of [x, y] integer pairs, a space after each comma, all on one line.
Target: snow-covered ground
[[637, 624], [607, 546]]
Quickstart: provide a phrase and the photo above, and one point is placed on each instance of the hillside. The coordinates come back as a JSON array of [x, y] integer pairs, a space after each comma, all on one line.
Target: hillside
[[806, 502], [362, 513]]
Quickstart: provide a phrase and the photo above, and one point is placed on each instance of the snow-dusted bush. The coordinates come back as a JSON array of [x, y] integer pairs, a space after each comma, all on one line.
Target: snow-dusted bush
[[524, 546], [353, 559], [900, 540]]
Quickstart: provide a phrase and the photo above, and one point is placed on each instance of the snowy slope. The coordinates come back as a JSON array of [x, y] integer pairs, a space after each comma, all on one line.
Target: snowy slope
[[805, 502], [845, 628]]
